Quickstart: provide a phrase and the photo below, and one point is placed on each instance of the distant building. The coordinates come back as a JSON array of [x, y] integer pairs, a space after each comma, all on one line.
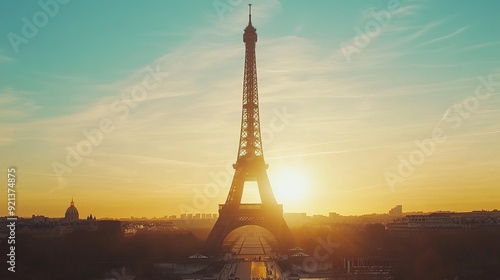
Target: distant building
[[72, 222], [333, 215], [39, 219], [440, 221], [71, 213], [396, 211], [319, 218], [39, 226], [91, 218]]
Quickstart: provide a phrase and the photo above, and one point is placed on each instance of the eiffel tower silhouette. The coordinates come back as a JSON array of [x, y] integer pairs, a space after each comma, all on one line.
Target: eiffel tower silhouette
[[250, 166]]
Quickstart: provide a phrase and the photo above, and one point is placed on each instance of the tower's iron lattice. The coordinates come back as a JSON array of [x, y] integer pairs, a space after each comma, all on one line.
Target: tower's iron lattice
[[250, 166]]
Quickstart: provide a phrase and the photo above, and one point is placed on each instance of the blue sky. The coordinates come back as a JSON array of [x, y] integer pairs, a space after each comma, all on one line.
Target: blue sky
[[354, 118]]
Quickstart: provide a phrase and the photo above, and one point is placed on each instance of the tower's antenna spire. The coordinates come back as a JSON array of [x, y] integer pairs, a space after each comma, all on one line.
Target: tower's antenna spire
[[250, 13]]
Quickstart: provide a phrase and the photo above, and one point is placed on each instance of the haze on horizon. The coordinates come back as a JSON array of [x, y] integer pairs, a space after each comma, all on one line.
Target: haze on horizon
[[338, 122]]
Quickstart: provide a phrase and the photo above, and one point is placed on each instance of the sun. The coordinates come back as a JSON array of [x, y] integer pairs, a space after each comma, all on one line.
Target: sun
[[289, 186]]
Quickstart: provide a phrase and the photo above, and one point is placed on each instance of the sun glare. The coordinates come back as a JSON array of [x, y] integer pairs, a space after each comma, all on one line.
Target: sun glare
[[289, 186]]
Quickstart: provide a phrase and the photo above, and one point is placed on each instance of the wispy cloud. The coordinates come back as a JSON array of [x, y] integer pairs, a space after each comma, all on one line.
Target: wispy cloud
[[478, 46], [14, 105], [445, 37]]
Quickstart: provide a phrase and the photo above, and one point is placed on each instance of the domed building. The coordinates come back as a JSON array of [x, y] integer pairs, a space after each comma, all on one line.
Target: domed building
[[71, 213]]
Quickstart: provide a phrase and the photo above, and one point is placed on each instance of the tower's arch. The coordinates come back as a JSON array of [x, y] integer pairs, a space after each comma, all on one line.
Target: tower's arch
[[250, 215]]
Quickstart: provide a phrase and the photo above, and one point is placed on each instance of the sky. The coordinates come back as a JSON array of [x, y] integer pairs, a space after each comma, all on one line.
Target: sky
[[134, 108]]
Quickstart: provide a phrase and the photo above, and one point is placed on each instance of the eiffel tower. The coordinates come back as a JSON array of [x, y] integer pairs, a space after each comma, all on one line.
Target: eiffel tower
[[250, 166]]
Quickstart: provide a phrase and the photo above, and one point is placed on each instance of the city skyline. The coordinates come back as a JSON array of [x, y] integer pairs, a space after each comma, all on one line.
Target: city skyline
[[391, 212], [394, 103]]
